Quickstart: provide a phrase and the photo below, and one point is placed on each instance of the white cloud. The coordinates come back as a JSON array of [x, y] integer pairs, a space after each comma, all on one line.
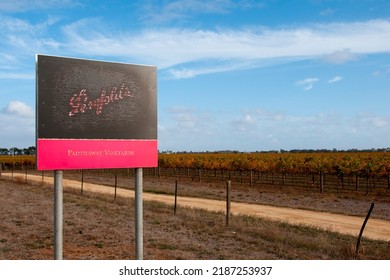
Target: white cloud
[[183, 73], [17, 125], [258, 129], [307, 84], [188, 119], [380, 121], [17, 76], [251, 119], [384, 71], [21, 38], [327, 12], [155, 12], [245, 123], [184, 128], [196, 69], [335, 79], [179, 10], [368, 121], [340, 57], [186, 53], [270, 130], [19, 109], [170, 48], [26, 5]]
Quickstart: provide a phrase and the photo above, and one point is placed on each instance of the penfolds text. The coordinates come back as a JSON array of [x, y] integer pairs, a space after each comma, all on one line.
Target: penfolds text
[[80, 102]]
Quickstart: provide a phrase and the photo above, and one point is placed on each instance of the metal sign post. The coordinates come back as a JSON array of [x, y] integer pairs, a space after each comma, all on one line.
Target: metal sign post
[[58, 211], [138, 215]]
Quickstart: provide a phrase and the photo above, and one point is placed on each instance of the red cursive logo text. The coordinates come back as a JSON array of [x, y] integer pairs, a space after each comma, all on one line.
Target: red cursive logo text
[[80, 102]]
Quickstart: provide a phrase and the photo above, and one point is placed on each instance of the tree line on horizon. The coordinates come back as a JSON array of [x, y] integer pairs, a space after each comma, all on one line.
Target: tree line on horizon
[[281, 151], [17, 151], [32, 151]]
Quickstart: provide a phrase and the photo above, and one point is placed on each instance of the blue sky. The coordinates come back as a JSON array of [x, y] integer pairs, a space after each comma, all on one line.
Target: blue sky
[[240, 75]]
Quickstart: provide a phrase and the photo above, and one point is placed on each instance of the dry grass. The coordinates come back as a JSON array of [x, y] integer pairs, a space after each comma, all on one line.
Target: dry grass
[[96, 227]]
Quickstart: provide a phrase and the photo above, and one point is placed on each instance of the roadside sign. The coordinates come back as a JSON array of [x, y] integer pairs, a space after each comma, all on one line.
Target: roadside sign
[[95, 114]]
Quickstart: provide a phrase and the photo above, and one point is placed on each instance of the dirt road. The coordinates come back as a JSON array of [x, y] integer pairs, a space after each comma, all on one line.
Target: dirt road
[[375, 228]]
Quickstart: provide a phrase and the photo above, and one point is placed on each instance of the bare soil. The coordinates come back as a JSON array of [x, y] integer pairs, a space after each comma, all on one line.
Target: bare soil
[[96, 228]]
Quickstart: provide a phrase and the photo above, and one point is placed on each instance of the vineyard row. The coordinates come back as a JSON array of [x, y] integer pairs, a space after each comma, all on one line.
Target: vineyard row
[[319, 171], [255, 179]]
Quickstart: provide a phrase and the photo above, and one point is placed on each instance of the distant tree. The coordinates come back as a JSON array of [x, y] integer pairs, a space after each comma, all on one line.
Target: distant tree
[[4, 151], [15, 151], [29, 151]]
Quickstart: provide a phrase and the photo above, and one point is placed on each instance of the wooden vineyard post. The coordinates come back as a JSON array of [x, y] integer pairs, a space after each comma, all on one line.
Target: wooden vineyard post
[[82, 181], [116, 183], [388, 181], [362, 229], [228, 188], [357, 183], [175, 205]]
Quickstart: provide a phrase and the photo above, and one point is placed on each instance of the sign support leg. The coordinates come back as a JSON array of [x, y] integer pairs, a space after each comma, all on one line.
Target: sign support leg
[[58, 217], [138, 214]]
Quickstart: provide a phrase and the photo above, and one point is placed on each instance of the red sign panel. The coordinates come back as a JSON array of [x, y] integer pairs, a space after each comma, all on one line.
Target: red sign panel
[[93, 114]]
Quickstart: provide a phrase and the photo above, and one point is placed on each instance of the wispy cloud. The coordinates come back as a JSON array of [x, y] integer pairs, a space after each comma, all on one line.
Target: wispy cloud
[[327, 12], [188, 119], [17, 76], [251, 119], [186, 53], [27, 5], [340, 57], [307, 84], [20, 38], [335, 79], [384, 71], [268, 130], [155, 12], [170, 48], [179, 10]]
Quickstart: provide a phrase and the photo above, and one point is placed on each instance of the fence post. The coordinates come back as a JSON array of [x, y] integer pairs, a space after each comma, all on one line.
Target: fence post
[[228, 187], [116, 183], [175, 206], [322, 182], [82, 181], [362, 229]]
